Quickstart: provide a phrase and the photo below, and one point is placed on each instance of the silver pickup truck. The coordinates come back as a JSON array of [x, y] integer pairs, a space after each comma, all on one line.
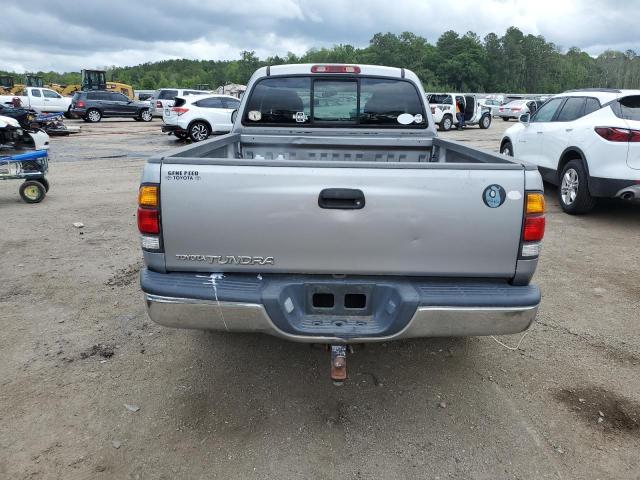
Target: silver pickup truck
[[332, 213]]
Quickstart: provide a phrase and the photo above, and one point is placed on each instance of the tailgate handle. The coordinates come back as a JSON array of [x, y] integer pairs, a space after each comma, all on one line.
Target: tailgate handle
[[341, 198]]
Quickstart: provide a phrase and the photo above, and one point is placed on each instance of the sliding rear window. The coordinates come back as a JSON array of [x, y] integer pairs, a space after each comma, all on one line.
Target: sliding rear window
[[334, 102]]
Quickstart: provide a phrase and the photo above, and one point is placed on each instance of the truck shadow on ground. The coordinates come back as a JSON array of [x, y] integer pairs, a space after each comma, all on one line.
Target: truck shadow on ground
[[406, 405], [248, 383]]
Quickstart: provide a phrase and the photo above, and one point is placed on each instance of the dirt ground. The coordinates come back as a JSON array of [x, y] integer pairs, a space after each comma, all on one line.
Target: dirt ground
[[90, 388]]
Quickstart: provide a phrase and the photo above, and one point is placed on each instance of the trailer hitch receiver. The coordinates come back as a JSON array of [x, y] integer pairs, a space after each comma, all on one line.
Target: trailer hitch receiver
[[338, 364]]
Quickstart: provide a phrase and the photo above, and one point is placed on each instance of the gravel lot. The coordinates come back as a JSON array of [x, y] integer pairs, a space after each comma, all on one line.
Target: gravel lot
[[76, 348]]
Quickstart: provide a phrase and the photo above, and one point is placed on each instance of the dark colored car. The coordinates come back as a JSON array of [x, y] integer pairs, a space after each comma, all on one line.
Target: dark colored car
[[93, 106]]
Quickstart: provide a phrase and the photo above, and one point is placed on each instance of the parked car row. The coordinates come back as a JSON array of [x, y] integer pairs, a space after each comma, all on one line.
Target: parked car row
[[186, 113]]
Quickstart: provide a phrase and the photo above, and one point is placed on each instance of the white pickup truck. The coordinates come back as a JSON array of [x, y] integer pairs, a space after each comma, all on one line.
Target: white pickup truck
[[443, 110], [332, 213], [42, 100]]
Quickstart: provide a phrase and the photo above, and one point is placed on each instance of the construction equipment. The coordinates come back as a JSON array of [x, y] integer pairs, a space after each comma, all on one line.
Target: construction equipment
[[97, 80], [93, 80], [33, 81], [6, 84], [9, 87]]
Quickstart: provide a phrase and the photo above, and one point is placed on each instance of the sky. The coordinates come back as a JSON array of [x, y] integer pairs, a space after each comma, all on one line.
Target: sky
[[67, 35]]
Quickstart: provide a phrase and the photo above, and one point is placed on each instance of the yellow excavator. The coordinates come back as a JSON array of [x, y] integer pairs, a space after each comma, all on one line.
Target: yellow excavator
[[9, 87], [93, 80], [6, 85]]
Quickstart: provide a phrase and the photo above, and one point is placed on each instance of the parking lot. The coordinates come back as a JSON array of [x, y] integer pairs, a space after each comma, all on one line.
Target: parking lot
[[90, 388]]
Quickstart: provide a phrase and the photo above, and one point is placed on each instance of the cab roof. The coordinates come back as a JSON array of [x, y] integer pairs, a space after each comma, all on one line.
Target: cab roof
[[365, 70]]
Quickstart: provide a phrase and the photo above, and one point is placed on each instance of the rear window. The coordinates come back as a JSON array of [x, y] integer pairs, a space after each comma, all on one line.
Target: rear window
[[212, 102], [167, 94], [230, 103], [440, 99], [333, 101], [629, 108], [386, 102], [76, 96], [179, 102]]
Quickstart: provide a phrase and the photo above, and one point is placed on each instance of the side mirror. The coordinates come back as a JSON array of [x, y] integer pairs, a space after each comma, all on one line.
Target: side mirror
[[525, 118], [234, 115]]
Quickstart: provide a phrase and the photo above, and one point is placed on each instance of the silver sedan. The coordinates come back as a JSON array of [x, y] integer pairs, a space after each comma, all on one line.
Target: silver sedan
[[516, 108]]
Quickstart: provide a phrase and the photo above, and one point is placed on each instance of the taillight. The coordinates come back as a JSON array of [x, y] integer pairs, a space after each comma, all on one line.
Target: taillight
[[535, 203], [615, 134], [335, 69], [148, 221], [158, 104], [534, 224], [149, 216], [80, 104], [533, 229], [433, 109], [179, 110], [148, 196]]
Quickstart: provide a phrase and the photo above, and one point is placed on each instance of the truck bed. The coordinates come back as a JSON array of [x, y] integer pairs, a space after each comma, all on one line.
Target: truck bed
[[247, 202], [355, 150]]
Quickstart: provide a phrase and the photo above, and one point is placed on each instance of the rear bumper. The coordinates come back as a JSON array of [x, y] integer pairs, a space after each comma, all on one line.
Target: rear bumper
[[78, 112], [611, 187], [397, 308], [172, 129]]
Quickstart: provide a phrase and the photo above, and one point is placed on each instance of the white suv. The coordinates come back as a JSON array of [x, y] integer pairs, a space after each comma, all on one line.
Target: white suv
[[197, 117], [586, 141], [164, 97], [443, 110]]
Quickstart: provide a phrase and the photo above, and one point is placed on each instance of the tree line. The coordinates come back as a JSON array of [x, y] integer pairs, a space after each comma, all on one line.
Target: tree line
[[513, 62]]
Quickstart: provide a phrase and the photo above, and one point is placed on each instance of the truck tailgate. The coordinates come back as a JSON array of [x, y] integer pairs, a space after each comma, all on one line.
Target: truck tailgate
[[415, 221]]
